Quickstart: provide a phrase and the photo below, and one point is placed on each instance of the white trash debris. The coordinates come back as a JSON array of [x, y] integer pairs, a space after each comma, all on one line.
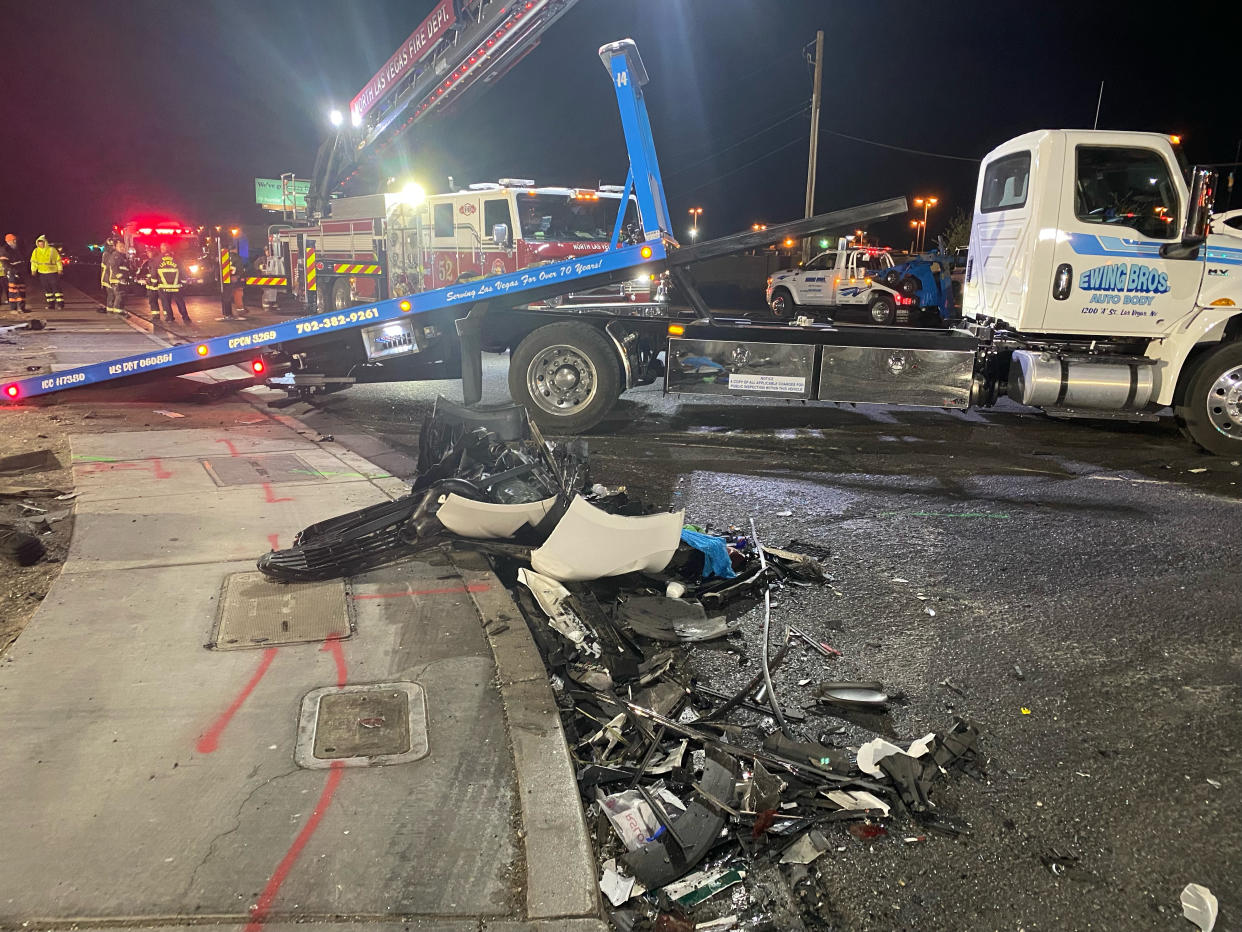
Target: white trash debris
[[1199, 906]]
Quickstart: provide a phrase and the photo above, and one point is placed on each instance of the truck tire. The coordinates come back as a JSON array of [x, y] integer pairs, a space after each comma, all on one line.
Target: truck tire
[[782, 305], [909, 286], [1210, 409], [340, 295], [567, 376], [882, 310]]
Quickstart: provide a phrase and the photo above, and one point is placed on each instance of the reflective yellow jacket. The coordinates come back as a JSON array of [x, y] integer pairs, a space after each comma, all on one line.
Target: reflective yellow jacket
[[45, 259]]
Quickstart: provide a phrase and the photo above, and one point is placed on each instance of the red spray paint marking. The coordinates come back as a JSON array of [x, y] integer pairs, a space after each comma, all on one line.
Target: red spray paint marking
[[157, 466], [229, 444], [211, 738], [259, 911], [262, 906], [473, 587], [270, 496], [274, 540], [333, 646]]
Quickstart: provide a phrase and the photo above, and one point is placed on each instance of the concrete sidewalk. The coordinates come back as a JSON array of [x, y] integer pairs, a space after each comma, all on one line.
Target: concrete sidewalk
[[187, 743]]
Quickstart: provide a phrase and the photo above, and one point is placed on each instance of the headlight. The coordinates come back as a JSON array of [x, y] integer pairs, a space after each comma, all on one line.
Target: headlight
[[194, 270]]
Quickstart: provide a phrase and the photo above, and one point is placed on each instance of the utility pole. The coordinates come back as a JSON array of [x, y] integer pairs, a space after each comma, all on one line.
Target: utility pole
[[814, 153]]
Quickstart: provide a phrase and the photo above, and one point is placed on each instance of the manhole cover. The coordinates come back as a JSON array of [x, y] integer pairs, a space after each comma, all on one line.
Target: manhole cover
[[256, 612], [255, 470], [362, 726]]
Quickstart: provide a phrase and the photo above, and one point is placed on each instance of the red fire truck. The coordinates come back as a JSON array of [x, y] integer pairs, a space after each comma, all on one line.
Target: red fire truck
[[191, 245], [388, 245]]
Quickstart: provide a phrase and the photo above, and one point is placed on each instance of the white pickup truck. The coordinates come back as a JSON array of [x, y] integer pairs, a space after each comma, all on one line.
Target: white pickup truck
[[843, 277]]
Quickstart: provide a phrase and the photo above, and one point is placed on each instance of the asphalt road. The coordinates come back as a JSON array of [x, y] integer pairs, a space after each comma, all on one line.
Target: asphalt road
[[1086, 573]]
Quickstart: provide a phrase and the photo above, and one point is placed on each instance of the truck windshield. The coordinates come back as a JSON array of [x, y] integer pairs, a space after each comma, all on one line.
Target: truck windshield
[[565, 218]]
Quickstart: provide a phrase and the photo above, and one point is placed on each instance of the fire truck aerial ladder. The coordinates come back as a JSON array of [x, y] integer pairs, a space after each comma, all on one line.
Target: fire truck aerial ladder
[[576, 370], [460, 45]]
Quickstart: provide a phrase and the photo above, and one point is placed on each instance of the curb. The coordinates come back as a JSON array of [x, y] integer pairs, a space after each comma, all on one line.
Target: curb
[[560, 862], [561, 887]]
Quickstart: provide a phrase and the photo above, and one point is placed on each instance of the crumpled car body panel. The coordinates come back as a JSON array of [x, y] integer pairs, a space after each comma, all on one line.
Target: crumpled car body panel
[[589, 543], [487, 520]]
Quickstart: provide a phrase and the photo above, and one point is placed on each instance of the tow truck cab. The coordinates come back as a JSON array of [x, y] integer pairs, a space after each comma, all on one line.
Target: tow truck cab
[[1091, 256]]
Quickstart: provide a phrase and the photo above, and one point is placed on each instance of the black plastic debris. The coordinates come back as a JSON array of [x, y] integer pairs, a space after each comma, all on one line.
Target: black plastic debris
[[692, 783]]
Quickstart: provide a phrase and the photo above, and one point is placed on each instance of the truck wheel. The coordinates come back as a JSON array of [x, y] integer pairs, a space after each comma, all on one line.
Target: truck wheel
[[1210, 410], [566, 375], [340, 295], [909, 286], [782, 305], [882, 310]]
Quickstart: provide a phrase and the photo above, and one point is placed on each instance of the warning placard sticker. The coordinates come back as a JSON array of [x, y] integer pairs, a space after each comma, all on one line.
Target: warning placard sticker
[[744, 382]]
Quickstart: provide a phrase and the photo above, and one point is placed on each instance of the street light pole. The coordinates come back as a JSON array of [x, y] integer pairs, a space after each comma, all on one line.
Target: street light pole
[[694, 217], [927, 203]]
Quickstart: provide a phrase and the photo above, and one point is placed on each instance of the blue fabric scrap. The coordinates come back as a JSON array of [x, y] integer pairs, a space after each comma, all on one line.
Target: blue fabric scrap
[[716, 560]]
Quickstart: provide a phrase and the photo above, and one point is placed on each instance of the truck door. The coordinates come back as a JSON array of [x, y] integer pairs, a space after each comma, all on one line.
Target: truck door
[[498, 254], [846, 282], [1119, 204], [816, 284]]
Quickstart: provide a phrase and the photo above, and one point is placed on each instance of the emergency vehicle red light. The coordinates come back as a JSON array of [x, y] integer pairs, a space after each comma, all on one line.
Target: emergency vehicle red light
[[257, 367], [645, 252], [201, 349], [145, 231], [11, 390]]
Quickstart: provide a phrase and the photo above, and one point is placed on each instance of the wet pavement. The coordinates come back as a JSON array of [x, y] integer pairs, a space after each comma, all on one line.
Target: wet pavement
[[1070, 586]]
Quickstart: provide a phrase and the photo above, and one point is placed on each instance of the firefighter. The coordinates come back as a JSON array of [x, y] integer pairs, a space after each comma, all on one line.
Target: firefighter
[[14, 273], [46, 265], [169, 273], [233, 291], [271, 266], [116, 277], [151, 281]]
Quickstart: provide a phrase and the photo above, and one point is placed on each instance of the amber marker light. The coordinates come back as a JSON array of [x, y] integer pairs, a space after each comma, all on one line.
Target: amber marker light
[[201, 349], [404, 305], [645, 252], [676, 330]]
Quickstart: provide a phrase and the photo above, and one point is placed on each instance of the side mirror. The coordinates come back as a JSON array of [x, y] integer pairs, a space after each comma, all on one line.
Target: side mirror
[[500, 234], [1198, 217]]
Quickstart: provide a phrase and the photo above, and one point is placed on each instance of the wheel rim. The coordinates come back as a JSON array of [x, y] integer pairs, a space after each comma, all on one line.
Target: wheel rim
[[778, 305], [561, 380], [879, 312], [1224, 403]]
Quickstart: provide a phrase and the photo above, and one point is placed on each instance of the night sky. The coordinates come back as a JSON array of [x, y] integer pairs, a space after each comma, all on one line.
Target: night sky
[[174, 107]]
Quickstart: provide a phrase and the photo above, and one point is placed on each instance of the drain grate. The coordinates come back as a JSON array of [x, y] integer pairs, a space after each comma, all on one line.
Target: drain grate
[[255, 470], [256, 612], [362, 726]]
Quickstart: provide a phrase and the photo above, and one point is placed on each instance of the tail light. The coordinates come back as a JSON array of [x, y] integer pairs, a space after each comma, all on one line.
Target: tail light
[[11, 391], [258, 366]]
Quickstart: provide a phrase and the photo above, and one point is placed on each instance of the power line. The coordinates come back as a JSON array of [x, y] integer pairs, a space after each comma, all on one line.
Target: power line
[[734, 171], [884, 145], [802, 108]]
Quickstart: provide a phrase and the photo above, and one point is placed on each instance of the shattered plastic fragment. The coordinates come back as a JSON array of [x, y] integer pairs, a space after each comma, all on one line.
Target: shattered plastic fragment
[[1199, 906], [676, 620], [487, 520], [701, 885], [552, 597], [858, 800], [615, 885], [872, 752], [806, 849], [589, 543]]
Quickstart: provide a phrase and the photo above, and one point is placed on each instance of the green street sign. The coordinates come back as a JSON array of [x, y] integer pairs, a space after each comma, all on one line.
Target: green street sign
[[269, 194]]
